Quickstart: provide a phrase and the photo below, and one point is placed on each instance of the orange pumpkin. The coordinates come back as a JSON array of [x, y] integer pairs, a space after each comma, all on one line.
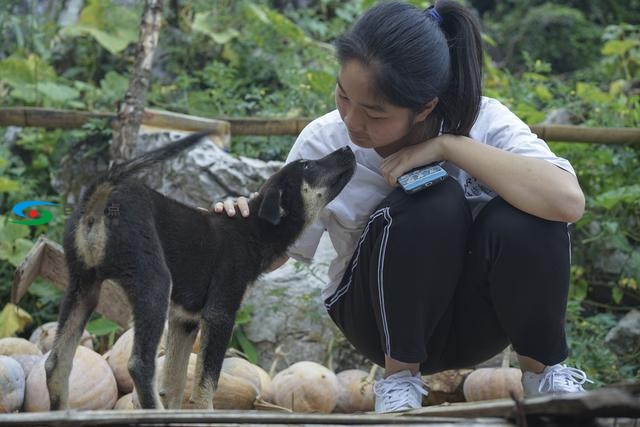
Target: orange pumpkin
[[306, 387], [356, 391], [493, 383], [12, 383], [91, 384]]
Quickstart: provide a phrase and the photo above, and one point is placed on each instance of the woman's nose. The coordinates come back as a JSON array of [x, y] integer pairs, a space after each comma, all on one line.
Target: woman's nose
[[354, 121]]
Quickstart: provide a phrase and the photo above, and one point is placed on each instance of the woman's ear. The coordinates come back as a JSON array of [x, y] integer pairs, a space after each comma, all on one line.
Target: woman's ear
[[428, 108]]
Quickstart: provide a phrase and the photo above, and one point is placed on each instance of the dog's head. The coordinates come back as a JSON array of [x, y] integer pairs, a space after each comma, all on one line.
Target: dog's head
[[302, 188]]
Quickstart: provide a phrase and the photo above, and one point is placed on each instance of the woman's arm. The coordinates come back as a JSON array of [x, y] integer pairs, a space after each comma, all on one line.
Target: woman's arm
[[532, 185]]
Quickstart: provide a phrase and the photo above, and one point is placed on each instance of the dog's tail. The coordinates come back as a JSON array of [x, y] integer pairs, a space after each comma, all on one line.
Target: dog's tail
[[124, 170]]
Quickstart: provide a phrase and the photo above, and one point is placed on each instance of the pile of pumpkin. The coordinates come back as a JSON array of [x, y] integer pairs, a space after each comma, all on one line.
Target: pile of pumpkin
[[103, 381]]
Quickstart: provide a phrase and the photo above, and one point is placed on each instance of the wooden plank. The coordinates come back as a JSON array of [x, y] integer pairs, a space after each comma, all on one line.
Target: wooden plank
[[46, 259], [186, 417], [69, 119], [606, 402], [28, 270]]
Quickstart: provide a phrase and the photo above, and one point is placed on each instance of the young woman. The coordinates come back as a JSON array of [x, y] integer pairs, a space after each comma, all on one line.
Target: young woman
[[449, 276]]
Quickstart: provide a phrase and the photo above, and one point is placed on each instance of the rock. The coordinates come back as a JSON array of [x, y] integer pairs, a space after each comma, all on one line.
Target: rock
[[287, 311], [205, 174], [624, 338], [198, 177], [611, 262], [560, 116]]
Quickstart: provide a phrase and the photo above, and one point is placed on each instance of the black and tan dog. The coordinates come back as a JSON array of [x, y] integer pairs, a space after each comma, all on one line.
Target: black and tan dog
[[175, 260]]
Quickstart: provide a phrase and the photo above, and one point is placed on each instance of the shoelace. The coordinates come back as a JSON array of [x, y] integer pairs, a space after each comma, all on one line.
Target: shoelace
[[563, 378], [400, 393]]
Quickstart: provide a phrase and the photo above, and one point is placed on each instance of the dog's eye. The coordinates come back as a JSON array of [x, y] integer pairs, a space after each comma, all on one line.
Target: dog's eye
[[306, 166]]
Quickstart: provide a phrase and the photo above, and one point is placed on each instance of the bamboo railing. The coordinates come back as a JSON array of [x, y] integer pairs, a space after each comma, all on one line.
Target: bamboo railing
[[69, 119]]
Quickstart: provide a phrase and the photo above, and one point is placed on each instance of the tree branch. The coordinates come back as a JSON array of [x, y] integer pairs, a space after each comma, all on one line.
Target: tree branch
[[131, 110]]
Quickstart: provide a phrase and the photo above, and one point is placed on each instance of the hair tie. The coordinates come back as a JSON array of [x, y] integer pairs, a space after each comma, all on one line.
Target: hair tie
[[433, 13]]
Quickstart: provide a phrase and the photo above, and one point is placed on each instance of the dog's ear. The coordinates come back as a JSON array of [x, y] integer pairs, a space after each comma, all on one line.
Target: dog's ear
[[270, 208]]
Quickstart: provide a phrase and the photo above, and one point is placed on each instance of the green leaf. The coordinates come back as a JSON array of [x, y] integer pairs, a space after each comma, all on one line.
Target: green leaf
[[114, 27], [591, 93], [243, 316], [10, 232], [13, 319], [617, 294], [46, 292], [246, 346], [18, 71], [619, 47], [320, 81], [202, 23], [102, 326], [578, 290], [114, 43], [114, 85], [543, 93], [8, 185], [57, 92], [613, 198]]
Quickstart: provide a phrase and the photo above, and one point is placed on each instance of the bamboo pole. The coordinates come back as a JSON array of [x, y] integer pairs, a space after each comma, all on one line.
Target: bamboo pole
[[69, 119]]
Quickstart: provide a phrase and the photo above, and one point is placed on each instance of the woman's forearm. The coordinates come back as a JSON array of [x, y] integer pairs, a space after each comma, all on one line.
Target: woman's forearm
[[530, 184]]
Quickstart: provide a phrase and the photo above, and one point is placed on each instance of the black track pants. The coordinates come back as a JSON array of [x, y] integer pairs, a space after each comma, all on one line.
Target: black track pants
[[429, 284]]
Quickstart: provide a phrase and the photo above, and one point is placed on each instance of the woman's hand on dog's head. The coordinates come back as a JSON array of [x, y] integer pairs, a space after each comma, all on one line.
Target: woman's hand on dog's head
[[230, 206]]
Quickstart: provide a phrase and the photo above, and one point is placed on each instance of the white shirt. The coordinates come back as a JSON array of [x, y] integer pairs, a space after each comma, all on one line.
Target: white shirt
[[345, 217]]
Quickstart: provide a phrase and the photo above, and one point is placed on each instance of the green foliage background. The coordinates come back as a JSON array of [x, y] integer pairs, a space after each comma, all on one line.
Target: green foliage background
[[274, 59]]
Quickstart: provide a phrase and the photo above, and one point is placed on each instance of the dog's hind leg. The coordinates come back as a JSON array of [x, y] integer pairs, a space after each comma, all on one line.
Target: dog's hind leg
[[80, 299], [218, 317], [149, 300], [182, 333]]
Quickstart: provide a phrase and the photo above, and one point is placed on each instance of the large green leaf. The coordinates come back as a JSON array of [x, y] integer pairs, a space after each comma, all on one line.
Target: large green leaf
[[18, 71], [57, 92], [619, 47], [613, 198], [114, 43], [204, 23], [13, 319], [102, 326], [113, 27]]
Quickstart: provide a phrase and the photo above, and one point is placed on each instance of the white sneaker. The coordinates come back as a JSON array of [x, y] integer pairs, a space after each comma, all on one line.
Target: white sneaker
[[399, 392], [554, 379]]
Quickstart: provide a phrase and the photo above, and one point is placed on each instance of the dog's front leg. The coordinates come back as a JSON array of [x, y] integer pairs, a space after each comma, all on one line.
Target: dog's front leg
[[215, 333]]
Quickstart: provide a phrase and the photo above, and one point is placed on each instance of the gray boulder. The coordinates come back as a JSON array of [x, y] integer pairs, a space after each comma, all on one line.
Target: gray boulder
[[624, 338]]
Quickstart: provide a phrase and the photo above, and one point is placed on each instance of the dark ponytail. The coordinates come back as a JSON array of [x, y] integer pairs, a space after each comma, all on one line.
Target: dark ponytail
[[417, 55], [460, 103]]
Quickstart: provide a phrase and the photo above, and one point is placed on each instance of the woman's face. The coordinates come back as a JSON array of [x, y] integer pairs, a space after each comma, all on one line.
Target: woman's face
[[372, 122]]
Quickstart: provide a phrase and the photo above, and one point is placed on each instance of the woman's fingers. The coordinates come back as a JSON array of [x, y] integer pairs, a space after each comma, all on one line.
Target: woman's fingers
[[231, 206], [243, 205]]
